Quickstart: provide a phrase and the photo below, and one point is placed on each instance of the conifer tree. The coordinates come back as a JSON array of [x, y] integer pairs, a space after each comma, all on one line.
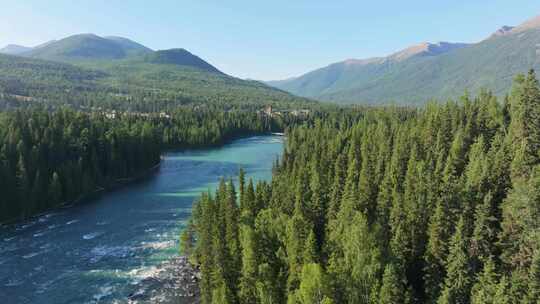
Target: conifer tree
[[520, 212], [249, 276], [484, 236], [392, 290], [297, 233], [337, 187], [436, 251], [317, 206], [484, 291], [187, 239], [241, 186], [457, 284], [355, 264], [525, 118]]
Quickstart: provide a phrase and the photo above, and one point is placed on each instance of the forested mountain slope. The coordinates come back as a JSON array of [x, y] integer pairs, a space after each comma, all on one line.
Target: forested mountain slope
[[416, 74], [385, 205], [154, 82]]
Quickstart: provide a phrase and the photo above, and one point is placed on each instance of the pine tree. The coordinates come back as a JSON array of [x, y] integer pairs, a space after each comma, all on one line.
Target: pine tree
[[337, 187], [485, 289], [457, 284], [241, 183], [250, 261], [392, 290], [484, 235], [317, 206], [436, 252], [310, 249], [249, 200], [367, 188], [297, 233], [355, 263], [384, 201], [187, 239], [525, 118], [520, 212]]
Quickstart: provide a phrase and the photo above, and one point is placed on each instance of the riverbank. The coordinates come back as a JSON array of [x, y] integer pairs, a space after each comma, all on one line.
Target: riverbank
[[119, 183], [87, 197], [173, 282], [124, 246]]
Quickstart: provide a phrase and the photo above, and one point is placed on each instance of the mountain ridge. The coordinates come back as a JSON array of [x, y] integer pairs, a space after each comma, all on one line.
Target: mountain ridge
[[14, 49], [179, 56], [417, 73], [86, 47], [90, 49]]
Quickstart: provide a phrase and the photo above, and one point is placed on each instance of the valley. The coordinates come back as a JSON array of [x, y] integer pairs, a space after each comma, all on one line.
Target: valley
[[105, 250], [155, 170]]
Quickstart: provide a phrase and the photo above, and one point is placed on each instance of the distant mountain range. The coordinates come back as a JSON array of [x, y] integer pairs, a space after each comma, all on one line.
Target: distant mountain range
[[90, 64], [90, 48], [14, 49], [80, 47], [428, 70]]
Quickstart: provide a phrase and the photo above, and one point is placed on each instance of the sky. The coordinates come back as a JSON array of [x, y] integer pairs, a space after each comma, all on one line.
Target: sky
[[265, 40]]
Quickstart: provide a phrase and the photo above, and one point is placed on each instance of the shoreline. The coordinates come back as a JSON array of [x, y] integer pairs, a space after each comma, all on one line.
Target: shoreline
[[222, 143], [172, 279], [88, 197], [120, 183], [175, 281]]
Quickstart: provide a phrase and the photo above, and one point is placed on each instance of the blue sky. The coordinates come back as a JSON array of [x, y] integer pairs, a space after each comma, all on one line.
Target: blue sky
[[265, 39]]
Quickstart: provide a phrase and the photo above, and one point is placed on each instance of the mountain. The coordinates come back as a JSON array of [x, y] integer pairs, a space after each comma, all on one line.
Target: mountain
[[14, 49], [87, 47], [421, 72], [87, 70], [347, 74], [179, 57], [90, 50], [129, 46], [141, 84], [44, 44]]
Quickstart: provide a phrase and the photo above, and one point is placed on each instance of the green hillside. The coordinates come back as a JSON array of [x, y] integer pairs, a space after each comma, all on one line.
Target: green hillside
[[135, 84], [130, 47], [87, 47], [179, 57], [488, 64], [32, 77]]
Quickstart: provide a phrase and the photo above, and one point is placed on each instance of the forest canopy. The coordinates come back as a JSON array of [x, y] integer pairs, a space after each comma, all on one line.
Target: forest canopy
[[51, 158], [435, 205]]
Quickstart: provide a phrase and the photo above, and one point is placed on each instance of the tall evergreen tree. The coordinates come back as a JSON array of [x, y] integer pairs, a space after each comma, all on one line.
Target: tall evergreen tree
[[484, 291], [392, 290], [458, 282]]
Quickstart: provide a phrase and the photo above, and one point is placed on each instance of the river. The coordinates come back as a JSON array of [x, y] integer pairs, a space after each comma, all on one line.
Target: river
[[99, 251]]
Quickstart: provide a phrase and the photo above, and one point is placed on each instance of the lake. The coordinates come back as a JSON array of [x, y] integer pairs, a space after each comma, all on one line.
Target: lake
[[97, 252]]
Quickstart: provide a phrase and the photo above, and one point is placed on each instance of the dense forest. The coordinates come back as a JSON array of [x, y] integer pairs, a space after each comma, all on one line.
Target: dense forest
[[386, 205], [49, 158], [130, 86]]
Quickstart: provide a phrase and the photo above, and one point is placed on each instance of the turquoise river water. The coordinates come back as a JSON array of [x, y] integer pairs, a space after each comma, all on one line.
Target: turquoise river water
[[97, 252]]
